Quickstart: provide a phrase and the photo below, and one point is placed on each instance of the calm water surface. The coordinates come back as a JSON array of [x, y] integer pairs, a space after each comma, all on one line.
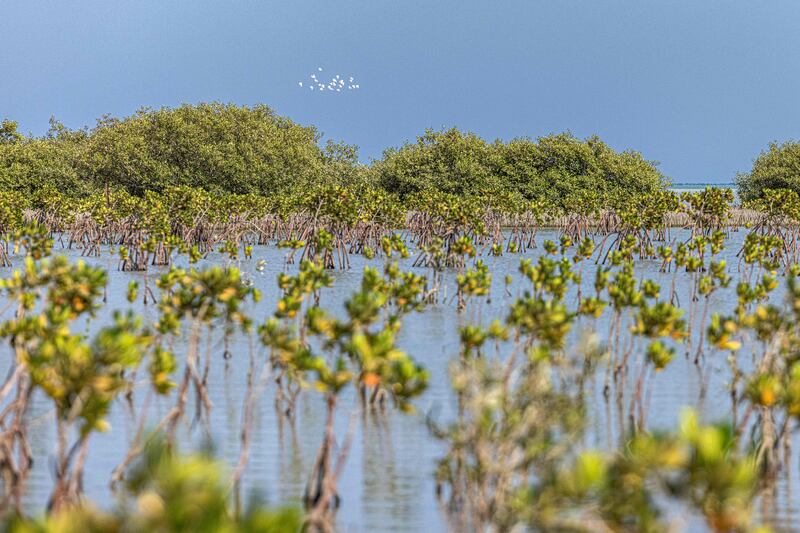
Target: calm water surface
[[387, 484]]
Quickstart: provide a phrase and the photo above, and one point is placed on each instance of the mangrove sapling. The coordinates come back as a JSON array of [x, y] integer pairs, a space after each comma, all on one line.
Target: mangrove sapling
[[25, 290], [35, 240], [292, 245], [654, 322], [584, 252], [778, 214], [279, 333], [360, 351], [82, 379], [166, 491], [510, 415], [474, 282], [581, 208], [192, 302], [693, 263], [432, 255], [720, 334], [114, 350], [644, 219], [204, 298], [622, 490], [541, 315], [769, 391], [715, 279], [708, 209], [11, 219], [525, 227], [624, 296], [458, 252]]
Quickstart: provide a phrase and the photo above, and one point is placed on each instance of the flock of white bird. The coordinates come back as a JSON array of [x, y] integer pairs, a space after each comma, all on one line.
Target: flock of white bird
[[335, 84]]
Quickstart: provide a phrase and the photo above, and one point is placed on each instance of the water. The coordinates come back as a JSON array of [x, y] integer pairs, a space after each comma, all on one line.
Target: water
[[388, 481], [699, 186], [678, 188]]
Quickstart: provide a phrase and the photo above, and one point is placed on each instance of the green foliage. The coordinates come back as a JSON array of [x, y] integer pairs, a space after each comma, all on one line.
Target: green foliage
[[81, 378], [553, 169], [558, 167], [778, 167], [28, 164], [622, 492], [510, 429], [204, 295], [168, 493], [708, 208], [448, 161], [363, 352], [778, 205], [213, 146], [9, 133], [252, 150], [218, 147]]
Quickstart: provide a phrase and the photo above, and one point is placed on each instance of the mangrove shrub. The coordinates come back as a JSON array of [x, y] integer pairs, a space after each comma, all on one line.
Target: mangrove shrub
[[778, 167]]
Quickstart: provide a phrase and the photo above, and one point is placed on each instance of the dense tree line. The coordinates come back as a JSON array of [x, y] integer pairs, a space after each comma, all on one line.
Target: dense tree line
[[30, 163], [240, 149], [552, 168], [213, 146], [777, 167]]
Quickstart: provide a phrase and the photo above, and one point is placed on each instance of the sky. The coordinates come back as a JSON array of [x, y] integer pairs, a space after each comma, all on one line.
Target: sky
[[701, 86]]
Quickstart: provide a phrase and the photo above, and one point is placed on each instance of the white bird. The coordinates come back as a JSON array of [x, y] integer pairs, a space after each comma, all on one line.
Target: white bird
[[334, 83]]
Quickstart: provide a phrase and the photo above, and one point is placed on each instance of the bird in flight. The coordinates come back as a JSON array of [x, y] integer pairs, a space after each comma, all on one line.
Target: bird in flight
[[335, 84]]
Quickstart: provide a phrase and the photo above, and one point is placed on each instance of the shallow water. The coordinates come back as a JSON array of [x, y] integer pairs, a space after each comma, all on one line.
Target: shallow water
[[387, 484]]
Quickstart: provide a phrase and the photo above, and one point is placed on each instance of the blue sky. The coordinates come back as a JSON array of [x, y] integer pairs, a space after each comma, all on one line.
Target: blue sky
[[701, 86]]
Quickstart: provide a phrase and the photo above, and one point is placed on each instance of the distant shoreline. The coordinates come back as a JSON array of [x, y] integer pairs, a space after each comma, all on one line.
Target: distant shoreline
[[700, 186]]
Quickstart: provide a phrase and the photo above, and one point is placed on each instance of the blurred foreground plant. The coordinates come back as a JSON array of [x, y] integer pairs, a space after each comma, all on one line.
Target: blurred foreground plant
[[166, 492]]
